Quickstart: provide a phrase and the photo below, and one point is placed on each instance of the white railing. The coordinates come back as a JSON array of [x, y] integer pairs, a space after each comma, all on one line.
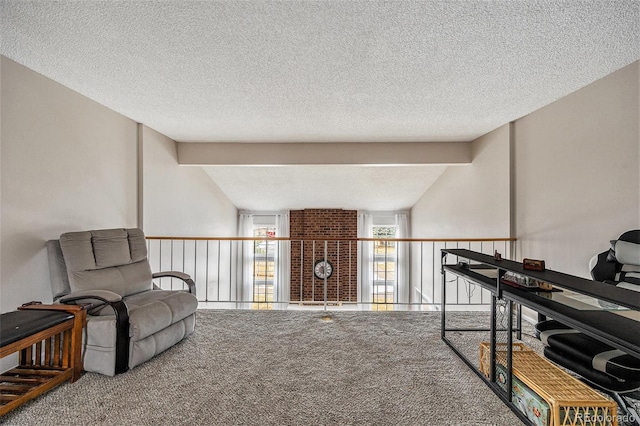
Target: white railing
[[277, 273]]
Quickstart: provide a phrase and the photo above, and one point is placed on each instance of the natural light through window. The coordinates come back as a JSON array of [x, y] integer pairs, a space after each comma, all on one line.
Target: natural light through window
[[264, 265], [384, 267]]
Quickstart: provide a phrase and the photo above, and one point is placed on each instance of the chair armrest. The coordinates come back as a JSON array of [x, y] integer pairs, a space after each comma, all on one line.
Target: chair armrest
[[180, 275], [101, 298], [91, 296]]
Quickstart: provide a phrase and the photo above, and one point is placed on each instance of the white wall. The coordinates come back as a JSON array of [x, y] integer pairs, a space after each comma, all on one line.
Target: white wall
[[181, 200], [68, 164], [577, 173], [470, 201]]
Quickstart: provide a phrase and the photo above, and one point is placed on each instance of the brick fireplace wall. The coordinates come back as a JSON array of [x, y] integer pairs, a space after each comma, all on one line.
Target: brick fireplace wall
[[321, 225]]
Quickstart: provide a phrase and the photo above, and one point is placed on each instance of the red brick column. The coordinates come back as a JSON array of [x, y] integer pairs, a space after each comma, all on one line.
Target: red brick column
[[321, 225]]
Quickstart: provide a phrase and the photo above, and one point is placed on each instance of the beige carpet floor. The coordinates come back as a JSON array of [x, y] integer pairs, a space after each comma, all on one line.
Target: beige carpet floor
[[286, 368]]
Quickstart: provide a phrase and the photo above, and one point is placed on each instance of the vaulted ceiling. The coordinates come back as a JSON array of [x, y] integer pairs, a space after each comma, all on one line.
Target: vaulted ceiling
[[323, 71]]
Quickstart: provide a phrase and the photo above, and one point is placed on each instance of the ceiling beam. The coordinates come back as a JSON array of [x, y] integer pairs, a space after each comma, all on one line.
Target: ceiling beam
[[323, 153]]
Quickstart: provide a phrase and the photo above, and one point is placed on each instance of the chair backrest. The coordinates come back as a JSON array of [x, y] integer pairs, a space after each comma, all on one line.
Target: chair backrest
[[621, 262], [106, 259]]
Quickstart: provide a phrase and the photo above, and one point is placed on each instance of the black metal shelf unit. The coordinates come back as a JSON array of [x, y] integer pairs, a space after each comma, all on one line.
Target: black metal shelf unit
[[609, 326]]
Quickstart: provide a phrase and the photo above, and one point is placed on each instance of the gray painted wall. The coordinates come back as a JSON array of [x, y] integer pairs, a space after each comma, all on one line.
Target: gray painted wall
[[68, 164], [577, 172]]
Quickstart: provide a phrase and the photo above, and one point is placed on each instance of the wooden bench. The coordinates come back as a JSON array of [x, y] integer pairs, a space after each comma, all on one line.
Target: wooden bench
[[48, 340]]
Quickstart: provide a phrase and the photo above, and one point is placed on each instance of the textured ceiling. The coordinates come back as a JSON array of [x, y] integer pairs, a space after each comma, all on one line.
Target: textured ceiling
[[340, 71], [362, 187]]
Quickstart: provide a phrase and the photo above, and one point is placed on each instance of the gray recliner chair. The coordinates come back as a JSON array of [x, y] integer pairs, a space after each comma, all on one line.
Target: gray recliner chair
[[130, 320]]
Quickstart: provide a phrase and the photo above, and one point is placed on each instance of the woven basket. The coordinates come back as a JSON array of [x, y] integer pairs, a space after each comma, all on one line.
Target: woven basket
[[501, 354], [572, 402]]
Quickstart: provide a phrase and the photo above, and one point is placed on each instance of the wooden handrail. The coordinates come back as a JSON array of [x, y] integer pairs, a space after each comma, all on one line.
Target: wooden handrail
[[428, 240]]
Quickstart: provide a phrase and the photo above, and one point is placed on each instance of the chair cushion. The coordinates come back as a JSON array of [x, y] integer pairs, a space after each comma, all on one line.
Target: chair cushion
[[623, 256], [110, 248], [627, 253], [599, 378], [548, 328], [630, 283], [588, 351], [152, 311], [137, 244]]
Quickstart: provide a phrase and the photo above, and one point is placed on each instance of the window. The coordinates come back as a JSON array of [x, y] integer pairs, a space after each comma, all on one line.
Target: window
[[384, 265], [264, 269], [264, 265]]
